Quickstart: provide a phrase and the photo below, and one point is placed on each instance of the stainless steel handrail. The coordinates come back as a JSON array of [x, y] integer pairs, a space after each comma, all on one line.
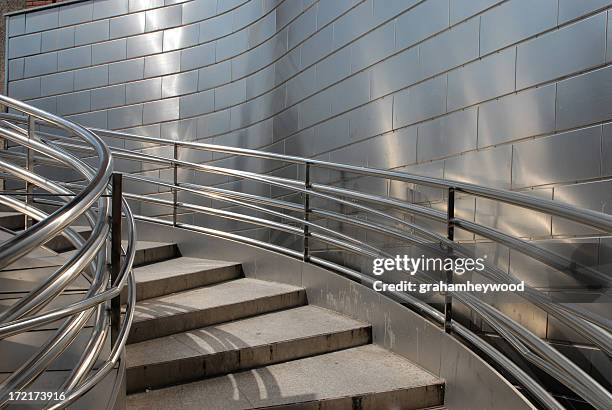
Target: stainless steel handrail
[[89, 259]]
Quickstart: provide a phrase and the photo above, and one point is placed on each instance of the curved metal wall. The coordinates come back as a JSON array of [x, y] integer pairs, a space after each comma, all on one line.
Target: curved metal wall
[[513, 94]]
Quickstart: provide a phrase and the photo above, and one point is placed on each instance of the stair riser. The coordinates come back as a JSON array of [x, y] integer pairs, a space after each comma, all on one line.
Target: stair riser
[[157, 254], [61, 244], [164, 326], [405, 399], [13, 222], [152, 289], [185, 370]]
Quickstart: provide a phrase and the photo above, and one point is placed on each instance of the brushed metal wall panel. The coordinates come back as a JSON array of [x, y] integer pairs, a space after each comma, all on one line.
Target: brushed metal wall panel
[[15, 68], [213, 124], [353, 24], [314, 110], [316, 46], [16, 25], [138, 5], [260, 82], [490, 77], [509, 23], [450, 49], [301, 86], [569, 9], [197, 104], [606, 150], [393, 149], [198, 10], [129, 70], [108, 8], [462, 9], [106, 97], [328, 133], [395, 73], [146, 90], [179, 130], [162, 64], [230, 94], [528, 113], [161, 18], [74, 103], [98, 119], [584, 99], [232, 45], [128, 25], [91, 77], [333, 68], [40, 64], [284, 11], [199, 56], [371, 119], [74, 58], [215, 27], [91, 32], [447, 135], [59, 83], [544, 161], [178, 84], [491, 167], [421, 22], [181, 37], [76, 13], [56, 39], [420, 102], [304, 26], [261, 26], [128, 116], [214, 75], [568, 50], [329, 10], [349, 93], [159, 111], [25, 89], [595, 195], [24, 45], [144, 44], [41, 20], [373, 47], [287, 66], [108, 51]]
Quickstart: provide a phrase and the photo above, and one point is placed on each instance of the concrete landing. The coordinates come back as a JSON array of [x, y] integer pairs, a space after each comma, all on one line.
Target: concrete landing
[[209, 305], [243, 344], [366, 377]]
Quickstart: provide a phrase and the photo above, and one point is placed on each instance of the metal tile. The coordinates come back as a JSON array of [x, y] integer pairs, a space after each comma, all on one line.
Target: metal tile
[[162, 110], [74, 103], [98, 119], [544, 161], [215, 27], [40, 64], [449, 49], [421, 22], [420, 102], [107, 97], [584, 99], [108, 51], [317, 46], [24, 89], [591, 195], [232, 45], [197, 104], [129, 70], [24, 45], [333, 68], [16, 25], [350, 93], [124, 117], [76, 13], [260, 82], [44, 19], [145, 44], [199, 56], [262, 30], [161, 18], [313, 110], [489, 167], [15, 69], [139, 91], [301, 86], [353, 24], [214, 75], [373, 47], [213, 124], [385, 9], [393, 149], [287, 66], [528, 113], [178, 84], [128, 25], [91, 32], [302, 27], [56, 39], [230, 94], [162, 64], [181, 37], [198, 10], [546, 57], [47, 104], [395, 73], [448, 135], [74, 58], [91, 77], [184, 130], [481, 80], [329, 10], [138, 5], [108, 8], [371, 119], [248, 13], [569, 9], [606, 150], [57, 83], [330, 134]]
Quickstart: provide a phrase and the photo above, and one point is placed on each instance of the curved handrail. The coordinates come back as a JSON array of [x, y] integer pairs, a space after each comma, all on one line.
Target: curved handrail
[[89, 259]]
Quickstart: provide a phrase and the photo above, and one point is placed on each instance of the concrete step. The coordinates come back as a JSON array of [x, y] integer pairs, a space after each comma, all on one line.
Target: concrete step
[[366, 377], [61, 244], [14, 221], [179, 274], [240, 345], [152, 252], [196, 308]]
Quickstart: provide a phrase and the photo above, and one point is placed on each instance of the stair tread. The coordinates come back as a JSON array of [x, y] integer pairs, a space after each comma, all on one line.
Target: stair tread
[[355, 372], [176, 267], [291, 324], [220, 294]]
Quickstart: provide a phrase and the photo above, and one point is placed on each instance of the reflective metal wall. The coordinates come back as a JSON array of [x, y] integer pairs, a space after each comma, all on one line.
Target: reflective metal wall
[[514, 94]]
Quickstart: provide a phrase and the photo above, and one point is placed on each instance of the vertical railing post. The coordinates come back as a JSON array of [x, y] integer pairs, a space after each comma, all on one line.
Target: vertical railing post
[[307, 185], [30, 167], [175, 181], [115, 251], [450, 229]]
